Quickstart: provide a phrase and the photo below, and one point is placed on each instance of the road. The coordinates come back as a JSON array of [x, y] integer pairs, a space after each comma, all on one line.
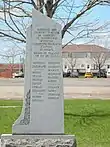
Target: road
[[73, 88], [77, 82]]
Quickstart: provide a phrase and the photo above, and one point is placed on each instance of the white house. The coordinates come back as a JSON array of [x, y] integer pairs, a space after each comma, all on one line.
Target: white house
[[85, 57]]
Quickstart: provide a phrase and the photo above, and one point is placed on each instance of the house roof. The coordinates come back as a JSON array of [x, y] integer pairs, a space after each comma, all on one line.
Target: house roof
[[84, 48]]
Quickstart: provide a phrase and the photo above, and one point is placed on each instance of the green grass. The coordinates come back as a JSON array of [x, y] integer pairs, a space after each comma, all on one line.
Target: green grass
[[8, 115], [10, 102], [89, 120]]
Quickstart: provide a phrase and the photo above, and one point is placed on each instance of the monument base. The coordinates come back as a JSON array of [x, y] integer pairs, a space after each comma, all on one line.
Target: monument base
[[8, 140]]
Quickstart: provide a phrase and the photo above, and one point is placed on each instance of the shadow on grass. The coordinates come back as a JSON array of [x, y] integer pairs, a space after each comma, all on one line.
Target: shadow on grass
[[86, 119], [87, 115]]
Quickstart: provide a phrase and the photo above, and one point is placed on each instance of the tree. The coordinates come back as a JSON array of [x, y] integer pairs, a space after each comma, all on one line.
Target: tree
[[10, 56], [72, 61], [16, 15], [99, 59]]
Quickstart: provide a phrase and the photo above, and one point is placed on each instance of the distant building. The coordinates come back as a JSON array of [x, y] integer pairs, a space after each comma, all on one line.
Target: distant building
[[78, 57], [85, 57], [7, 70]]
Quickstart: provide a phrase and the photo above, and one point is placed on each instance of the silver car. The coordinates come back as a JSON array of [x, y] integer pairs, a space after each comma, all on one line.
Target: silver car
[[74, 74]]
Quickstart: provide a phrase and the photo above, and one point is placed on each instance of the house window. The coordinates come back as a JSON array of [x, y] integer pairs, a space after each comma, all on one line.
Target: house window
[[82, 65], [87, 66], [65, 66], [70, 55], [108, 66], [95, 66]]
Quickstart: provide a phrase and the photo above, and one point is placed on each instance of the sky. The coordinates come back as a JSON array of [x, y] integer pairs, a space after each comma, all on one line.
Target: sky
[[103, 13], [100, 13]]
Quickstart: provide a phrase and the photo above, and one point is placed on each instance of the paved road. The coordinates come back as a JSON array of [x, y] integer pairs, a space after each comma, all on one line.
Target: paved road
[[89, 82], [73, 88], [77, 82], [12, 82]]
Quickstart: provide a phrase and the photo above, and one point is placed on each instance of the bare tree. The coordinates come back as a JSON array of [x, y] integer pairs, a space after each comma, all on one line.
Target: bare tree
[[72, 61], [99, 59], [9, 56], [16, 15]]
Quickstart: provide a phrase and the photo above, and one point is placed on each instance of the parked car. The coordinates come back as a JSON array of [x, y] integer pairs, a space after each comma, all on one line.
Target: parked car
[[18, 75], [74, 74], [66, 74], [88, 75], [102, 74], [108, 74]]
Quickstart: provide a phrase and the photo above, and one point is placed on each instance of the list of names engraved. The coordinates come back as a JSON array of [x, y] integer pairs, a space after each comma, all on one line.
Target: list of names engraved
[[46, 64]]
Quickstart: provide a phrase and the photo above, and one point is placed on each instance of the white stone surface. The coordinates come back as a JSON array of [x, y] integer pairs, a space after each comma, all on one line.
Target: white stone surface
[[38, 140], [43, 109], [24, 118]]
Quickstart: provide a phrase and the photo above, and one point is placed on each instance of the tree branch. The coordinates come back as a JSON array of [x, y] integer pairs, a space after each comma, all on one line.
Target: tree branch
[[85, 9], [55, 6], [34, 4], [17, 26], [13, 37]]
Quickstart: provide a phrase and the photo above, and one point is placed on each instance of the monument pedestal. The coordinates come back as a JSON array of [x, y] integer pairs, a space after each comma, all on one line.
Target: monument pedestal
[[8, 140]]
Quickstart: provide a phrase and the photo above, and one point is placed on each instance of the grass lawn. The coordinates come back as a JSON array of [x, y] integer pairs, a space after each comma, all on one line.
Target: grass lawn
[[89, 120]]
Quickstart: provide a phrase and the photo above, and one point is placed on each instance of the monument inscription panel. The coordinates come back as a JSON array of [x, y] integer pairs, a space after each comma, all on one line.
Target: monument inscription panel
[[46, 59]]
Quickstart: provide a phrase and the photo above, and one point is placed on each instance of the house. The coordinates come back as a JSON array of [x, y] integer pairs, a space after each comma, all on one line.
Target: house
[[7, 70], [85, 58]]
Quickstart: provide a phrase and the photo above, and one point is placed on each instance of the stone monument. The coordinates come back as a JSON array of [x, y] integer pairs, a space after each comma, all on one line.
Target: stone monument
[[41, 122]]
